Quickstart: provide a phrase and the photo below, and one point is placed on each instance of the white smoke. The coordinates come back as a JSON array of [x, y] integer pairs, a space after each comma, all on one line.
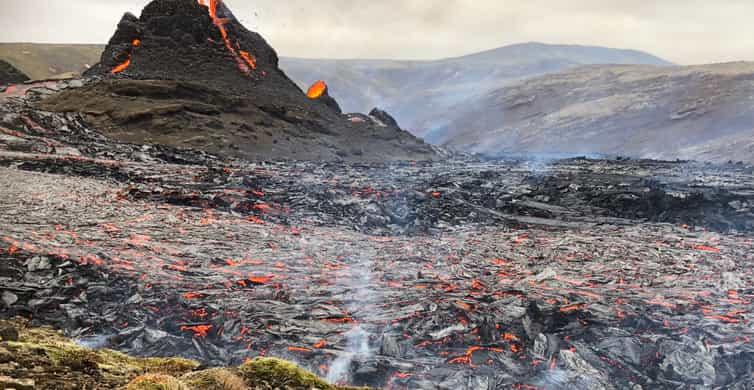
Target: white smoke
[[93, 342], [358, 347], [357, 339]]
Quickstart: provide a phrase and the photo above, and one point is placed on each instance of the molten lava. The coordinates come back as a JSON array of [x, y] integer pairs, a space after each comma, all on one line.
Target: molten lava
[[317, 89], [122, 66], [250, 60], [199, 330], [467, 358], [244, 60]]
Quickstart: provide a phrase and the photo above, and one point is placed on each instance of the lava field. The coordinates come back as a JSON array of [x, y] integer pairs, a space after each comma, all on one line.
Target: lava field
[[461, 274]]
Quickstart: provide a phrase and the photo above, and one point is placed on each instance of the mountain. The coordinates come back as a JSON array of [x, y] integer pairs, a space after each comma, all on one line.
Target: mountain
[[189, 74], [693, 112], [420, 94]]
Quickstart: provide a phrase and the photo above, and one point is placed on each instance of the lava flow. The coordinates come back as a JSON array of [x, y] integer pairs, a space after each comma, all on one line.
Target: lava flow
[[125, 64], [122, 66], [317, 89], [433, 270], [246, 62]]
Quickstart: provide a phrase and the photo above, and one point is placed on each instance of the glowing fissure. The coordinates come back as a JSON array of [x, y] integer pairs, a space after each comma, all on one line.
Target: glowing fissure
[[244, 60]]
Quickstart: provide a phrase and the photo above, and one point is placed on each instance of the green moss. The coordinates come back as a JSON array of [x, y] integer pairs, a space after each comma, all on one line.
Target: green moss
[[169, 366], [73, 357], [214, 379], [278, 373], [155, 382], [51, 361]]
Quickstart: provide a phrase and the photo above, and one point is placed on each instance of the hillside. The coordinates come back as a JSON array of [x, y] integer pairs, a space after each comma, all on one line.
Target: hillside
[[420, 93], [417, 93], [696, 112]]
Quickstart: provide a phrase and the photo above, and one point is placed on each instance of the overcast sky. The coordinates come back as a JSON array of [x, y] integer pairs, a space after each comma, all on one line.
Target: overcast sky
[[682, 31]]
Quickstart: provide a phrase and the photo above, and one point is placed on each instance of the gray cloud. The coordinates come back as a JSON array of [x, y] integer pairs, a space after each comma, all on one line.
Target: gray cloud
[[683, 31]]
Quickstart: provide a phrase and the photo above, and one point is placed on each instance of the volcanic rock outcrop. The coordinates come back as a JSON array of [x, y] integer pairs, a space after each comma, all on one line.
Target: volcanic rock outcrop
[[187, 73], [10, 75]]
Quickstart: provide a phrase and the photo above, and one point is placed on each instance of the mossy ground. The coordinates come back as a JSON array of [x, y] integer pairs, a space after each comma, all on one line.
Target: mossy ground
[[44, 356], [272, 373]]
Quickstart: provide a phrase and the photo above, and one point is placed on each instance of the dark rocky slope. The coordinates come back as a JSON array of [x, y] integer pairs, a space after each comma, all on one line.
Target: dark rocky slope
[[186, 74]]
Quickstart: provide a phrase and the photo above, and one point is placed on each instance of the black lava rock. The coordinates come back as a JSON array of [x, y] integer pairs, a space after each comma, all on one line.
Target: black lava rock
[[384, 117]]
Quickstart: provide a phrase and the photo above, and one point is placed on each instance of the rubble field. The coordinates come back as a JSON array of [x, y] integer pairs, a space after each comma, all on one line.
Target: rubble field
[[460, 274]]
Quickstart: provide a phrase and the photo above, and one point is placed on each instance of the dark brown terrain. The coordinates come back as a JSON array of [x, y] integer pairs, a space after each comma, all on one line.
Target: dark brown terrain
[[189, 76]]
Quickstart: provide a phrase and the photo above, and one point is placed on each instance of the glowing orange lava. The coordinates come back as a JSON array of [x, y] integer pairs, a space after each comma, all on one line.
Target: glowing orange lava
[[728, 319], [250, 60], [317, 89], [577, 306], [122, 66], [199, 330], [705, 248], [260, 279], [244, 60], [466, 358]]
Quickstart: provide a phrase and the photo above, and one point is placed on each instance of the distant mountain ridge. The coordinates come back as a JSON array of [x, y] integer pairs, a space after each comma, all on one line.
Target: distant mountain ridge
[[703, 112], [421, 93], [577, 53]]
